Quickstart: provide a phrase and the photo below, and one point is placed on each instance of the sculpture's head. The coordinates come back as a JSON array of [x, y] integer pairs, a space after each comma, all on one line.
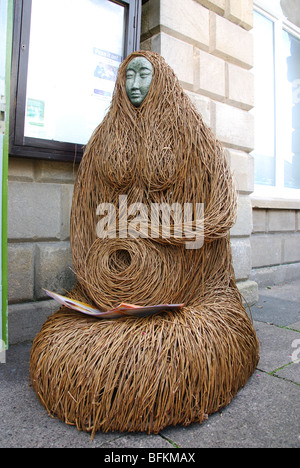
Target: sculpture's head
[[144, 82], [139, 74]]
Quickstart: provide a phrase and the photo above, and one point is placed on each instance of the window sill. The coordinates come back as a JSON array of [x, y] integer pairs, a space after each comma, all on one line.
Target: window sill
[[275, 203]]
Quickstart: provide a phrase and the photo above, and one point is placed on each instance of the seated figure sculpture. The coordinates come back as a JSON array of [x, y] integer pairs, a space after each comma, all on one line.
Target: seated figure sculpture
[[178, 366]]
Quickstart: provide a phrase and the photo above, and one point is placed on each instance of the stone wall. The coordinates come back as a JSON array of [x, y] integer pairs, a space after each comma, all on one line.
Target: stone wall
[[39, 256], [275, 244], [210, 47]]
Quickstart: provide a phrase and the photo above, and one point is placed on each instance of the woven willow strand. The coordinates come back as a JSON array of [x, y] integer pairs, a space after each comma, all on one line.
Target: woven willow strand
[[143, 374]]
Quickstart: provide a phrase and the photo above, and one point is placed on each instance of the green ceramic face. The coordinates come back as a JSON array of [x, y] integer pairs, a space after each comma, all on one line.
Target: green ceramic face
[[139, 74]]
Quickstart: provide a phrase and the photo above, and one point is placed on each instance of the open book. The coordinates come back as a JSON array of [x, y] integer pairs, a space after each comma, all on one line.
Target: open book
[[120, 311]]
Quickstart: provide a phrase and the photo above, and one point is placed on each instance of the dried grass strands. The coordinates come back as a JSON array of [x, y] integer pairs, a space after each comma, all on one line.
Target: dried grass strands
[[142, 374]]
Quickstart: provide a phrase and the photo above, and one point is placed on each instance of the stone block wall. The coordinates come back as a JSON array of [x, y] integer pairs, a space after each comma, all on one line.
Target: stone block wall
[[275, 245], [209, 45], [39, 255]]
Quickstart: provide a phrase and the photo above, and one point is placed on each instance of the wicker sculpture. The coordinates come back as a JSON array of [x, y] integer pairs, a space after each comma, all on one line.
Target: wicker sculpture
[[177, 367]]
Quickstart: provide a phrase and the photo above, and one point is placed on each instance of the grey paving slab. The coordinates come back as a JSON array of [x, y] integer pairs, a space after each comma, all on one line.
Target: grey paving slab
[[278, 304], [290, 372], [294, 326], [24, 423], [276, 346], [264, 414], [286, 291], [275, 310]]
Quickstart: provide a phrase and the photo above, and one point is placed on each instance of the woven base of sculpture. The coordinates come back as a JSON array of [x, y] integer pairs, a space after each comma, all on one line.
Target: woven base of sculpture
[[143, 374]]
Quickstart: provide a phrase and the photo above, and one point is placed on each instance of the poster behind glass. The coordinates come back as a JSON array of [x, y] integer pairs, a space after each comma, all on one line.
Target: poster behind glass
[[76, 47], [289, 109]]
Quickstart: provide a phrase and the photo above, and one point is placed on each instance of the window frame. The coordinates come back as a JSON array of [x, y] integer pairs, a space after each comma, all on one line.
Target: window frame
[[278, 191], [22, 146]]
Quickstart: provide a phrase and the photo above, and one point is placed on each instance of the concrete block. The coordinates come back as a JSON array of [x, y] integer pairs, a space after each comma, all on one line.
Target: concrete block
[[185, 19], [233, 127], [281, 220], [249, 292], [20, 272], [55, 171], [178, 54], [239, 87], [202, 105], [146, 44], [268, 276], [298, 220], [26, 320], [34, 211], [145, 20], [209, 75], [66, 204], [291, 248], [230, 42], [240, 12], [241, 255], [53, 268], [154, 16], [259, 220], [250, 173], [215, 5], [20, 169], [266, 250], [242, 166], [243, 226], [275, 203]]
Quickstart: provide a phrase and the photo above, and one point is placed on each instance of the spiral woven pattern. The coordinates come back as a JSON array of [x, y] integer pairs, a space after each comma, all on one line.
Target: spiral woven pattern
[[133, 269]]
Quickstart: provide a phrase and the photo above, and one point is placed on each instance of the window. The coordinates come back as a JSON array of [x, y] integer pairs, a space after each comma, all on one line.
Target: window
[[66, 55], [277, 101]]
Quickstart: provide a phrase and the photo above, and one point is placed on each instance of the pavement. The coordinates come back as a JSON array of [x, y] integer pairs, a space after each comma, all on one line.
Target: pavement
[[264, 414]]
